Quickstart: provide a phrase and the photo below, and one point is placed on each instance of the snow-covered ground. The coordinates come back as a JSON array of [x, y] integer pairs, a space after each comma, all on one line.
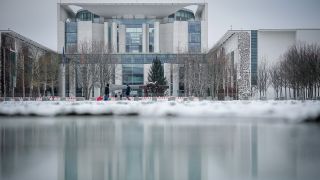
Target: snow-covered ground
[[291, 111]]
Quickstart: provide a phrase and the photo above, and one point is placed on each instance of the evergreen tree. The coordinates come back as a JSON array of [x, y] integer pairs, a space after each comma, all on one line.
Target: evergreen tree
[[156, 73]]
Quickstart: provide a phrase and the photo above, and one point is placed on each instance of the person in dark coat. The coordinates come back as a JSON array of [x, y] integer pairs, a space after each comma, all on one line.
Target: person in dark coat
[[128, 91], [106, 93]]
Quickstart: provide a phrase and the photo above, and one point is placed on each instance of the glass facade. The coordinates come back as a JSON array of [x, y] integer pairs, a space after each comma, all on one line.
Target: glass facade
[[71, 37], [85, 15], [134, 38], [254, 57], [194, 29], [132, 74], [144, 58], [182, 15]]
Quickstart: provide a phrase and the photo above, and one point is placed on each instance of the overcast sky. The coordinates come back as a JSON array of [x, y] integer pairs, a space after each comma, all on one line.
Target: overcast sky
[[36, 19]]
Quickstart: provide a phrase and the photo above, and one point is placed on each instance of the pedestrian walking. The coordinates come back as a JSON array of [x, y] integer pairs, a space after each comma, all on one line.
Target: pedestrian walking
[[128, 91], [106, 93]]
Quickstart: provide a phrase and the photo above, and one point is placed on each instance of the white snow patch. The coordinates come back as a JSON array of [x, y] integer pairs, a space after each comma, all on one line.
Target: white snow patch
[[292, 111]]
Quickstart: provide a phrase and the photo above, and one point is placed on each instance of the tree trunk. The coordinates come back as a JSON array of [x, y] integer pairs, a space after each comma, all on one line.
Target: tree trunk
[[31, 83], [285, 92], [39, 93], [23, 83], [4, 73], [52, 88]]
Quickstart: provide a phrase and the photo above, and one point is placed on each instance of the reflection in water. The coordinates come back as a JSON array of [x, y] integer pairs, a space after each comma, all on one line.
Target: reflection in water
[[142, 149]]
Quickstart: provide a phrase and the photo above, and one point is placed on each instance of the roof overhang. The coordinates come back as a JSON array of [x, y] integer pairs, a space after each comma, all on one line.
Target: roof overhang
[[112, 8]]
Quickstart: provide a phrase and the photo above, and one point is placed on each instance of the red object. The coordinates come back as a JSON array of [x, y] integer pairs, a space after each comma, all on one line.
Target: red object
[[100, 98]]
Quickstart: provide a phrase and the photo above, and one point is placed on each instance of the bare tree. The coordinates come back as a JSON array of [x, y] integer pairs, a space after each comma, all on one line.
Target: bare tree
[[263, 78], [53, 72], [35, 53], [102, 71], [275, 79], [300, 71], [6, 46], [23, 54], [85, 80]]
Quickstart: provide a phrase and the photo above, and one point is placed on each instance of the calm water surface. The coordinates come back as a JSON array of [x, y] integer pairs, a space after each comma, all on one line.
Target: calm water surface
[[131, 148]]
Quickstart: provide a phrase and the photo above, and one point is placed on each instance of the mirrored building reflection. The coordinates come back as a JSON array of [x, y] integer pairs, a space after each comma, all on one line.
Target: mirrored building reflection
[[167, 149]]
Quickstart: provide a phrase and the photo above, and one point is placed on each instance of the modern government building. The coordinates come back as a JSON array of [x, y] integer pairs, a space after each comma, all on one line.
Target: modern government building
[[135, 33]]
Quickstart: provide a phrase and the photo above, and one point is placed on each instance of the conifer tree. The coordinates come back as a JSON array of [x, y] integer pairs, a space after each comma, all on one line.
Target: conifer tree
[[156, 73]]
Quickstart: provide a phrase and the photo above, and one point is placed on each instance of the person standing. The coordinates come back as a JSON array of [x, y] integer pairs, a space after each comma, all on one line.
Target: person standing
[[128, 90], [106, 93]]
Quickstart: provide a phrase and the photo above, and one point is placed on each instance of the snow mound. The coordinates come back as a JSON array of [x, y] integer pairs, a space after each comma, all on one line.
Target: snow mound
[[292, 111]]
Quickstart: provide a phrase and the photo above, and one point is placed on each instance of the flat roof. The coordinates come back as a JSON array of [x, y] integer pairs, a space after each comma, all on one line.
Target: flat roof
[[25, 39], [230, 33]]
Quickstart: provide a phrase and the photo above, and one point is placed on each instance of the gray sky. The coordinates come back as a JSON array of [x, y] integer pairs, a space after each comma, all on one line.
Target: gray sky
[[36, 19]]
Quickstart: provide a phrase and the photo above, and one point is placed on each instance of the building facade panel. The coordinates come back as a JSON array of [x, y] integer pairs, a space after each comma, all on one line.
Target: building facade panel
[[98, 33], [180, 37], [273, 44], [84, 35], [311, 36], [166, 40]]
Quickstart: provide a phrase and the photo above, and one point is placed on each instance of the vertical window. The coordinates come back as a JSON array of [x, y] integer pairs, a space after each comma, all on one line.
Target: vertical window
[[71, 37], [134, 38], [132, 74], [254, 57], [194, 29]]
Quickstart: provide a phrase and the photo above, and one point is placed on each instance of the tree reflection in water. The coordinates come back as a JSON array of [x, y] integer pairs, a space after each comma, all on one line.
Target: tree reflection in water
[[129, 148]]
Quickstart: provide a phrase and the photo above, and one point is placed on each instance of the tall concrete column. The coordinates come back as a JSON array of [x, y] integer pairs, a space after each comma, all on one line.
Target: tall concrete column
[[72, 80], [171, 73], [157, 37], [61, 36], [144, 38], [167, 75], [118, 74], [114, 35], [122, 38], [204, 29], [175, 79], [146, 69], [106, 35]]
